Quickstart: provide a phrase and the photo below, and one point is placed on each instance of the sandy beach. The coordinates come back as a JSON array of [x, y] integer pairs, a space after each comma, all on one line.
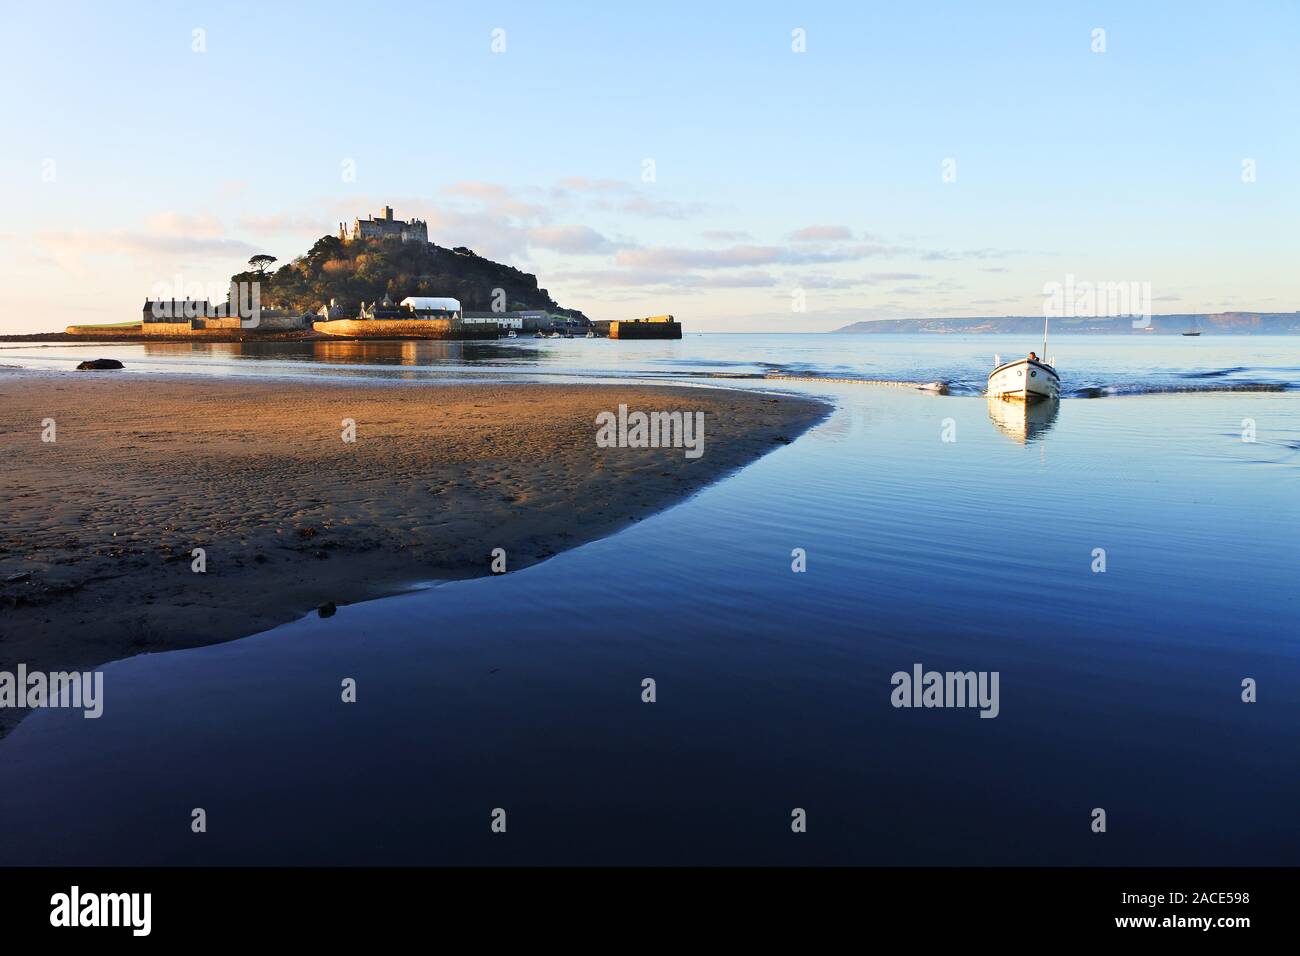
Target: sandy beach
[[100, 524]]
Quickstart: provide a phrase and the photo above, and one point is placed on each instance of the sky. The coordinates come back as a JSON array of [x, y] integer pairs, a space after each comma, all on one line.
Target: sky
[[748, 166]]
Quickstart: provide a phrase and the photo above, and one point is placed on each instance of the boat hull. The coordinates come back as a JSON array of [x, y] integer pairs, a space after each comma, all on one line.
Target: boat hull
[[1025, 380]]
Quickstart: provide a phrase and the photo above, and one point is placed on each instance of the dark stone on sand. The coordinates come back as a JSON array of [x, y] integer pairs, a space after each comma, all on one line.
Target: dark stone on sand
[[327, 610], [94, 365]]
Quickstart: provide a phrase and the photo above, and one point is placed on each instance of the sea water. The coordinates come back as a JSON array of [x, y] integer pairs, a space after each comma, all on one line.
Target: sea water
[[1125, 565]]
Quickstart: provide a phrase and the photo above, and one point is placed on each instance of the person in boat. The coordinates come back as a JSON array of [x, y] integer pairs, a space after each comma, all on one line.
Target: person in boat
[[1033, 356]]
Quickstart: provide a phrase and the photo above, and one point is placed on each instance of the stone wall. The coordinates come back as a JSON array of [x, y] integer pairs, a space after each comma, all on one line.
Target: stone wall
[[166, 328], [283, 322], [645, 330], [405, 329]]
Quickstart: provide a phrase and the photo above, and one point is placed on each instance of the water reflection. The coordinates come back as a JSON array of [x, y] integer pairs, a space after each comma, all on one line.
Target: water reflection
[[408, 353], [1023, 422]]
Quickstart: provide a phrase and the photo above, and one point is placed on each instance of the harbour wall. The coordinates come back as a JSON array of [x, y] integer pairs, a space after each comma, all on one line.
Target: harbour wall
[[405, 329]]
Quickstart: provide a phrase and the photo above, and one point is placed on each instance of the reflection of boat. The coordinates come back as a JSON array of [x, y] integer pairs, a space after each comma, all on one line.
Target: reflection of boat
[[1023, 421], [1027, 378]]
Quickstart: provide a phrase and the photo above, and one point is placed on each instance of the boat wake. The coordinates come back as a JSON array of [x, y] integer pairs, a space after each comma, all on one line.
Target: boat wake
[[1176, 388], [1204, 383]]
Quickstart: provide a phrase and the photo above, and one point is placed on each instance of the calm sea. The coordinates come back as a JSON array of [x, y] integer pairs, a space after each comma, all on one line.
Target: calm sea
[[1119, 690], [1094, 366]]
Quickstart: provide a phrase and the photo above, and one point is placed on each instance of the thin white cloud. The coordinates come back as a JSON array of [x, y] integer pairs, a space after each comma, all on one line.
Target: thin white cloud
[[184, 225], [629, 279], [821, 234], [577, 240], [665, 257], [496, 198], [283, 224]]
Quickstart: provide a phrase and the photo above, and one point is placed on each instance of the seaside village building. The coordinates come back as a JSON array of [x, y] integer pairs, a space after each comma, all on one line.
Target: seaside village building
[[186, 316], [527, 320], [412, 307], [385, 227]]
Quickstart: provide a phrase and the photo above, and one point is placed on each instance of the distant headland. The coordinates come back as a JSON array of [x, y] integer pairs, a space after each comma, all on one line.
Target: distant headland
[[1214, 323]]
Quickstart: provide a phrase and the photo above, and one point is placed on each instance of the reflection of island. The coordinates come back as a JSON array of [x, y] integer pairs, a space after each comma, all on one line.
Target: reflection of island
[[1023, 421]]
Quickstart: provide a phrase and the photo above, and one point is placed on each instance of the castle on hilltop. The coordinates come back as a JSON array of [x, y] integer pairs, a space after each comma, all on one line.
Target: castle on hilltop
[[385, 227]]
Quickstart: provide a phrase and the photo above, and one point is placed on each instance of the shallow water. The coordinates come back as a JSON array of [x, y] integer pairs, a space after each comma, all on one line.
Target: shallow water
[[1118, 690], [1091, 366]]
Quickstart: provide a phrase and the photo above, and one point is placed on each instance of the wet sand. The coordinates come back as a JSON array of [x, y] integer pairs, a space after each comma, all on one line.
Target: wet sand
[[144, 469]]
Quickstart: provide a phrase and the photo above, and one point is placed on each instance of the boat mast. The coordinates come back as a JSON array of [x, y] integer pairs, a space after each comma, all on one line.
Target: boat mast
[[1045, 359]]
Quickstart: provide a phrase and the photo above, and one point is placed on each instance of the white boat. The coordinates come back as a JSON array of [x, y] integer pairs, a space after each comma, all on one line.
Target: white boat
[[1026, 379], [512, 334], [1030, 379]]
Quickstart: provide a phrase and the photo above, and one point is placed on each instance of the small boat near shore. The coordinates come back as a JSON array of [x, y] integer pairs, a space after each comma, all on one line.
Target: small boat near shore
[[1029, 379], [1024, 378]]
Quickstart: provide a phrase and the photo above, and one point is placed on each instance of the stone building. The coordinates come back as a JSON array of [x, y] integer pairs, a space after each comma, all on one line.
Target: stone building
[[384, 309], [385, 227], [530, 320]]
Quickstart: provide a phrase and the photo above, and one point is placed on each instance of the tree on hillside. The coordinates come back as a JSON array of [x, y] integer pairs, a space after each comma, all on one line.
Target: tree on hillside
[[260, 262], [326, 247]]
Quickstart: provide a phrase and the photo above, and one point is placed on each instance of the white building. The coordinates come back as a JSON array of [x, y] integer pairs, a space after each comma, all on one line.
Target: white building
[[432, 307], [501, 320]]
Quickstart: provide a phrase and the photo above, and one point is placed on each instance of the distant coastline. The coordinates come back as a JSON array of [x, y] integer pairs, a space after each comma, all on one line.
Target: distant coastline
[[1213, 323]]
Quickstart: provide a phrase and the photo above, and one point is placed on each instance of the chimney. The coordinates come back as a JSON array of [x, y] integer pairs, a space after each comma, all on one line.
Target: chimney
[[388, 213]]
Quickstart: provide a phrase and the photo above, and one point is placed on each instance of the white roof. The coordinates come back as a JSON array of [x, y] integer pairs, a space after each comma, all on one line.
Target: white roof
[[430, 302]]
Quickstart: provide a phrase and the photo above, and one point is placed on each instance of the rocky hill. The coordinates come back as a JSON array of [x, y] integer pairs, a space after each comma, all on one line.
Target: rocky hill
[[367, 269]]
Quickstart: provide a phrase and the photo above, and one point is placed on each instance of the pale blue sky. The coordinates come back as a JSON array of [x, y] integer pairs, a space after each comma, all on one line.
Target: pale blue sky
[[774, 170]]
